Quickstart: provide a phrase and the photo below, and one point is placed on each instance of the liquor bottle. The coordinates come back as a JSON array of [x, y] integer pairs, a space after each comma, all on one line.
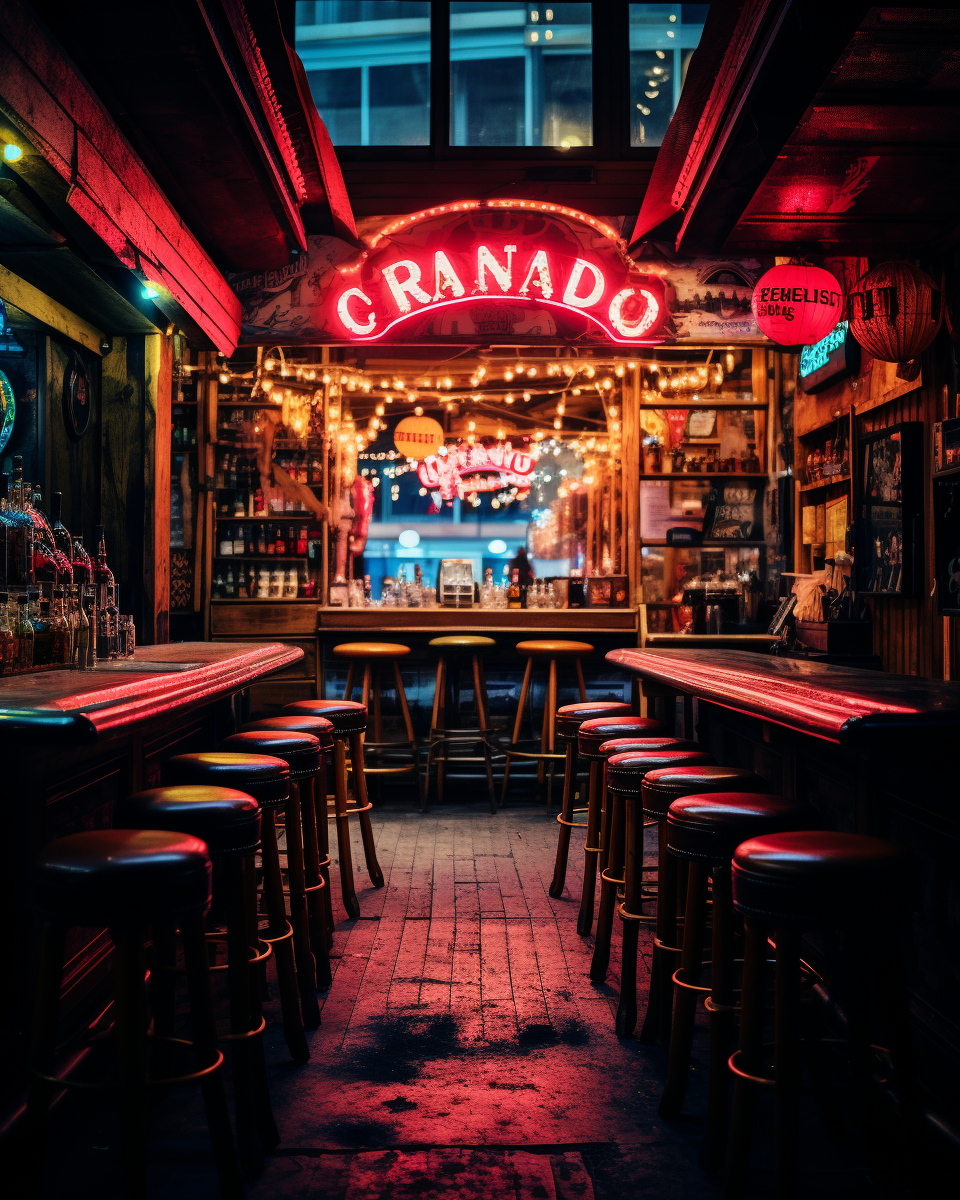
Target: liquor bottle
[[239, 540], [8, 537], [262, 540], [219, 587], [231, 483], [817, 464], [302, 541], [250, 539], [8, 640], [61, 537], [60, 629], [23, 557], [42, 635], [280, 545], [513, 592], [24, 634], [231, 589], [82, 641], [107, 632], [291, 540], [367, 591]]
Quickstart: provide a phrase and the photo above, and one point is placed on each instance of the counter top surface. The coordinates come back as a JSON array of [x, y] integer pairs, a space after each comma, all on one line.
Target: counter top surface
[[842, 704], [78, 706]]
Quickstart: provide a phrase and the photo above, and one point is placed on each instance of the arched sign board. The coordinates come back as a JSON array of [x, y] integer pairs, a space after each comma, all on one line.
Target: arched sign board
[[515, 271]]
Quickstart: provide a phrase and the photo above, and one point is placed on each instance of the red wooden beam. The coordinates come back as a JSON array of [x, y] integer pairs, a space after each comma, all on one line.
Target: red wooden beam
[[108, 186]]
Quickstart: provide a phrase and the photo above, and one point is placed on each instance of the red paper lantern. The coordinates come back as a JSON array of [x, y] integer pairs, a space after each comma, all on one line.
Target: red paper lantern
[[796, 304], [895, 311]]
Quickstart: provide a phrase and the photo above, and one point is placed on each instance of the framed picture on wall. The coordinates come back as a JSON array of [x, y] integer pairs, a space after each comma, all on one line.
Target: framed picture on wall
[[890, 510]]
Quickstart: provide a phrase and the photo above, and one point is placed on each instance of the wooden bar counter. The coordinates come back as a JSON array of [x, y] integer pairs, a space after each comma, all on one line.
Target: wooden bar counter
[[76, 742], [873, 753]]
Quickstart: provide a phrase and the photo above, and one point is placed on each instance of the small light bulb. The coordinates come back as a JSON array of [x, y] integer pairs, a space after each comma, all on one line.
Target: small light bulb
[[224, 376], [508, 375], [418, 411]]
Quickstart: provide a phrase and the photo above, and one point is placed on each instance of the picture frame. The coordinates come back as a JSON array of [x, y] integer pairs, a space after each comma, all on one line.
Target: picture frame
[[889, 510]]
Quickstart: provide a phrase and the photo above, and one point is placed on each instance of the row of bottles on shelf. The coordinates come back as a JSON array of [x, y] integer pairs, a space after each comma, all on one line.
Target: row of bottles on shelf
[[831, 461], [58, 607], [252, 582], [240, 471], [239, 425], [658, 460], [251, 541], [184, 431]]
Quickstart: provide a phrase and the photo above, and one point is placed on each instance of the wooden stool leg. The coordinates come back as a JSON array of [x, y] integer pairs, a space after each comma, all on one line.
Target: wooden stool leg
[[348, 688], [566, 814], [613, 840], [787, 1062], [685, 1004], [269, 1134], [347, 885], [442, 718], [205, 1044], [411, 735], [591, 853], [626, 1020], [163, 996], [751, 1054], [130, 1031], [306, 967], [434, 732], [551, 730], [721, 1020], [256, 1128], [43, 1046], [657, 1020], [316, 914], [518, 720], [320, 793], [544, 738], [278, 933], [366, 826], [580, 684], [479, 695]]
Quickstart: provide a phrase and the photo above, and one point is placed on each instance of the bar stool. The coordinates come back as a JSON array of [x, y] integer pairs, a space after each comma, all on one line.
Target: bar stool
[[372, 656], [228, 822], [454, 651], [704, 831], [568, 720], [127, 880], [316, 839], [590, 737], [267, 779], [303, 755], [349, 720], [550, 652], [613, 841], [788, 883], [658, 791]]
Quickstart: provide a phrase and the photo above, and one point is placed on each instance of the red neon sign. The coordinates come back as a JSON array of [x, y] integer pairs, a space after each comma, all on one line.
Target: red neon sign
[[466, 469], [516, 255]]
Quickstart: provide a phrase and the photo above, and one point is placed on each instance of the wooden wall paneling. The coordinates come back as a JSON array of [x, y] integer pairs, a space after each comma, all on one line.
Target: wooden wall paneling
[[207, 416], [72, 467], [158, 384], [631, 480]]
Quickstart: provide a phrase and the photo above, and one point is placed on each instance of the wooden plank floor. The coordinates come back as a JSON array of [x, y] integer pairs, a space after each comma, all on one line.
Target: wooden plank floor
[[461, 1039]]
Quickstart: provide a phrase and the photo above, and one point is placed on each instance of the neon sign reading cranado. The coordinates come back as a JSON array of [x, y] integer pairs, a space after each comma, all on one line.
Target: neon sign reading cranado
[[484, 255]]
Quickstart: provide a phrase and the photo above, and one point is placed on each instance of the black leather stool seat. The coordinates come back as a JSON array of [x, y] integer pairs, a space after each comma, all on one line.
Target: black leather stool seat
[[645, 745], [319, 727], [265, 778], [227, 820], [300, 751], [625, 772], [123, 877], [709, 828], [571, 716], [346, 716], [662, 787], [594, 733], [814, 879]]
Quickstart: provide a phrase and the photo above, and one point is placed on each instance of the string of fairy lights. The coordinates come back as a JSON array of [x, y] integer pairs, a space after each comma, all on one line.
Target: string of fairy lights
[[323, 395]]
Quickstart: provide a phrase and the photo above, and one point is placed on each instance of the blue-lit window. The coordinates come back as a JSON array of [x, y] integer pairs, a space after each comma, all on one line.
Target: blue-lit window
[[663, 38], [521, 74], [368, 62]]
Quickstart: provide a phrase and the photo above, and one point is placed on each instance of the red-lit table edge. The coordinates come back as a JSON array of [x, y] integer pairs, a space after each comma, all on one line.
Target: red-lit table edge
[[844, 705], [71, 707]]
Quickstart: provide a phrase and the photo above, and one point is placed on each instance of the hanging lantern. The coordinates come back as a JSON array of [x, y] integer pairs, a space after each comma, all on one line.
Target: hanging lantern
[[895, 311], [796, 304], [418, 437]]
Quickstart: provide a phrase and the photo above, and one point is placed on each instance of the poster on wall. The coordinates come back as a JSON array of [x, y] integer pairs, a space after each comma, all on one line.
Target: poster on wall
[[708, 300], [890, 510]]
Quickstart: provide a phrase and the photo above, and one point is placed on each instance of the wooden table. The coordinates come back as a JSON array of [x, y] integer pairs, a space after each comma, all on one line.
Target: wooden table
[[76, 742]]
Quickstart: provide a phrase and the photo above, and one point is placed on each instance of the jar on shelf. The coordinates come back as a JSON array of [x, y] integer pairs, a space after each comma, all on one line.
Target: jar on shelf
[[276, 585], [263, 585]]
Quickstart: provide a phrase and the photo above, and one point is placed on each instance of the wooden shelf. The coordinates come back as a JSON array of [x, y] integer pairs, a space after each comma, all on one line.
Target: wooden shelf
[[712, 544], [823, 483], [700, 404], [250, 558], [722, 475], [278, 520]]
